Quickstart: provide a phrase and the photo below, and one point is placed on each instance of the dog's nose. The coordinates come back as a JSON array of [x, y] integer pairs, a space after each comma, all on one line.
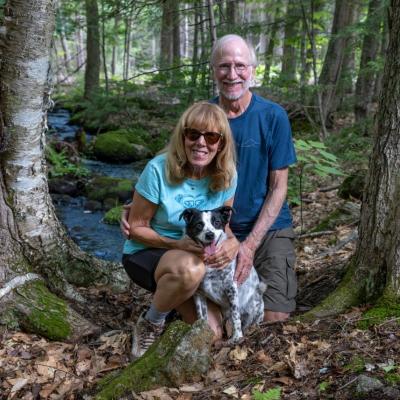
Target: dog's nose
[[210, 235]]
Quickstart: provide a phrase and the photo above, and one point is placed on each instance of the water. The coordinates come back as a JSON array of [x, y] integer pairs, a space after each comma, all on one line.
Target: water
[[87, 229]]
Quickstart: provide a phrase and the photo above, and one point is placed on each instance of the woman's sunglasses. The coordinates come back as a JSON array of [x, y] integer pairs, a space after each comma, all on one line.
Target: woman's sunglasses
[[210, 137]]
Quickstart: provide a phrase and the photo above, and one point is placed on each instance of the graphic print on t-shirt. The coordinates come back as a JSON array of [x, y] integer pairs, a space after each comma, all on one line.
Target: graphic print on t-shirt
[[191, 201]]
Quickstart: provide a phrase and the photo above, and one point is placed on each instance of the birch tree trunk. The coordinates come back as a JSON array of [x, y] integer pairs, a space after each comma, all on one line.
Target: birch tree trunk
[[35, 253], [375, 268]]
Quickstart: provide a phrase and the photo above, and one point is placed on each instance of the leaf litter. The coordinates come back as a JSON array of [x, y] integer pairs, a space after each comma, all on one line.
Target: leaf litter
[[305, 360]]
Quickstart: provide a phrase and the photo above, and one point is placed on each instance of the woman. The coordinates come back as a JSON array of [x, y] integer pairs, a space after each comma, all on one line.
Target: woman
[[197, 170]]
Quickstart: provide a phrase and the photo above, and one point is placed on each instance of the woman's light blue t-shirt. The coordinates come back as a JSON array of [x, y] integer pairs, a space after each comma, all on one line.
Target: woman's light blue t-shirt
[[173, 199]]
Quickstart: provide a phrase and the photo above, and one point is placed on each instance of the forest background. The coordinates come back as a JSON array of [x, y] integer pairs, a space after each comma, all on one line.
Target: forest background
[[126, 70]]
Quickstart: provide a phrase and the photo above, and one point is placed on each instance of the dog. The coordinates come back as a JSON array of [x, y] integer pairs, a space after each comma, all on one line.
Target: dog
[[241, 305]]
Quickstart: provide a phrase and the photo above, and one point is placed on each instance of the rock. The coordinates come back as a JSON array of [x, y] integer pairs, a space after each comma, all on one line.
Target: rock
[[391, 393], [92, 205], [63, 186], [182, 354], [353, 186], [113, 189], [366, 384], [121, 146]]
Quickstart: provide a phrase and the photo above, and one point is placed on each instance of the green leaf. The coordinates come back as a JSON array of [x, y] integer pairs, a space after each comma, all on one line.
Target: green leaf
[[271, 394], [327, 155], [317, 145]]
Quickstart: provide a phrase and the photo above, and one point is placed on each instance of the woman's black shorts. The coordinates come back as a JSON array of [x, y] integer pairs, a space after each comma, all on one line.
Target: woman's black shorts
[[140, 266]]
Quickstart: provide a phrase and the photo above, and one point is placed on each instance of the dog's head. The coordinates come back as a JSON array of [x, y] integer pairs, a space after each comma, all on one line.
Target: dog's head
[[206, 227]]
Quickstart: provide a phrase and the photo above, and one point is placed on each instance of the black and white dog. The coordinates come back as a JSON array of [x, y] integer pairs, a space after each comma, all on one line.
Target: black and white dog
[[243, 304]]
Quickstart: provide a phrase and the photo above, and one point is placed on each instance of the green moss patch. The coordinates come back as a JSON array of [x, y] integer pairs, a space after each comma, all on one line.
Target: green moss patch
[[113, 216], [105, 187], [42, 312], [387, 307], [122, 146]]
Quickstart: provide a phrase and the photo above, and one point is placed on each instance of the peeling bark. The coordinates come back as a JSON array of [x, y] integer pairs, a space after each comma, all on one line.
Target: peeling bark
[[32, 238]]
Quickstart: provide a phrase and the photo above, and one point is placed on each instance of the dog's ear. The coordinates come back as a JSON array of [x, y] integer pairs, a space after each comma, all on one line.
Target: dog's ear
[[187, 214], [225, 212]]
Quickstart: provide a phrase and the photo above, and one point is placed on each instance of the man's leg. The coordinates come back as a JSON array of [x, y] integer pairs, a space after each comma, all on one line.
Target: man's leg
[[274, 262]]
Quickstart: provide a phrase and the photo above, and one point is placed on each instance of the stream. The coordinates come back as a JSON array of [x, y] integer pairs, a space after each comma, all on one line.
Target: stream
[[84, 227]]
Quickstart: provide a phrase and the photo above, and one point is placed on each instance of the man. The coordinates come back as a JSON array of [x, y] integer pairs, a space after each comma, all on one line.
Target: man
[[262, 221]]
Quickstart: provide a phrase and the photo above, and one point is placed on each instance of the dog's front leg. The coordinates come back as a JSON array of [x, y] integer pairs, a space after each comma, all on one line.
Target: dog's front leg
[[201, 306], [233, 298]]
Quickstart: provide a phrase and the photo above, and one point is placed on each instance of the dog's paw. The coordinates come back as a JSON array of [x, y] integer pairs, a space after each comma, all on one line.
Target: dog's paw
[[235, 340]]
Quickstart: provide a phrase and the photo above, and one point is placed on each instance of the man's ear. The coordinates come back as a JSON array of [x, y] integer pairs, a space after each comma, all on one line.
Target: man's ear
[[225, 212], [187, 214]]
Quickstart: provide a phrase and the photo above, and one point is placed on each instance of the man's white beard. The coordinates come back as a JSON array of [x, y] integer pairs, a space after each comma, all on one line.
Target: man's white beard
[[232, 96]]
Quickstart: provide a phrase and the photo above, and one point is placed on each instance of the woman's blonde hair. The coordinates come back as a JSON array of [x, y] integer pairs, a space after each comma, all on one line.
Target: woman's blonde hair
[[205, 116]]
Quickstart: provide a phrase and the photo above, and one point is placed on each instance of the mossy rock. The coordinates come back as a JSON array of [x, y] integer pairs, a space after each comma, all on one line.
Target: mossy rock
[[106, 187], [348, 213], [122, 146], [113, 216], [353, 186], [182, 354]]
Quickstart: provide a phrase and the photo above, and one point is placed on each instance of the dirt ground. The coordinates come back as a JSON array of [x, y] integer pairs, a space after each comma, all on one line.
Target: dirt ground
[[291, 360]]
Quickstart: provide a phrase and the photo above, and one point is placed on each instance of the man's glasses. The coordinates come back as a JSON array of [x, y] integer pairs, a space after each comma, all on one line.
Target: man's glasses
[[239, 67], [210, 137]]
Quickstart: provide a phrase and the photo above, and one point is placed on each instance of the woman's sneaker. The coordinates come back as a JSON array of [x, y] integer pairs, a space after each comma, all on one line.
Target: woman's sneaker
[[144, 334]]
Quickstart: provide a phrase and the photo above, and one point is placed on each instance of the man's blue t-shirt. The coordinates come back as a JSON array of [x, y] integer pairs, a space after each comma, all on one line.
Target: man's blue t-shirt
[[263, 139], [172, 200]]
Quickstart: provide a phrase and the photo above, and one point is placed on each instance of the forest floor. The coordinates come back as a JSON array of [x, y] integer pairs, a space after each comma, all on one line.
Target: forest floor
[[292, 360]]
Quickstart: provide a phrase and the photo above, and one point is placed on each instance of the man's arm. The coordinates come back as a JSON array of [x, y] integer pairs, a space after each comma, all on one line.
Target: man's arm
[[278, 182]]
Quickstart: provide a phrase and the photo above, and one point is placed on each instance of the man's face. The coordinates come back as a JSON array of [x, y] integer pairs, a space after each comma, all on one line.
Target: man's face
[[233, 70]]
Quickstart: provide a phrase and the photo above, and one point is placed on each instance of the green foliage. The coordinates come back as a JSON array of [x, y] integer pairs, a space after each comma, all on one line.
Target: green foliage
[[270, 394], [357, 364], [392, 378], [323, 386], [60, 164], [113, 216], [312, 158], [352, 145]]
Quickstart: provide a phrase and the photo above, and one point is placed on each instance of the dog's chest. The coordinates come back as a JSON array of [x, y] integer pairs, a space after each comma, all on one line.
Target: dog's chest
[[216, 282]]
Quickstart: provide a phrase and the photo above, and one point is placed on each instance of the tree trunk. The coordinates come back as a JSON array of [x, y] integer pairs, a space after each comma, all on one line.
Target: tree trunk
[[366, 73], [34, 247], [289, 57], [333, 63], [269, 54], [230, 15], [114, 47], [79, 43], [166, 35], [176, 34], [103, 45], [375, 268], [92, 71], [382, 54]]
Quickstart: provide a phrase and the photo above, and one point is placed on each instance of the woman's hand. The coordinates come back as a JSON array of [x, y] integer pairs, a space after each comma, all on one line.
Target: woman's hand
[[187, 244], [225, 253], [124, 224]]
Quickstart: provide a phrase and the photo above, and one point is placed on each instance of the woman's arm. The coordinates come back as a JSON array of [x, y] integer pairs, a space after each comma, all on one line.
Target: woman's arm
[[140, 215]]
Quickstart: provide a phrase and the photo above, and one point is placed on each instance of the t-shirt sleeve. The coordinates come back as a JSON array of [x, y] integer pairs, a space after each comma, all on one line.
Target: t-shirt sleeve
[[282, 153], [149, 182]]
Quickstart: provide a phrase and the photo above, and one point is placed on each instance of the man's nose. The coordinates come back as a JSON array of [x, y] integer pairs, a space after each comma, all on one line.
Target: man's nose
[[232, 74]]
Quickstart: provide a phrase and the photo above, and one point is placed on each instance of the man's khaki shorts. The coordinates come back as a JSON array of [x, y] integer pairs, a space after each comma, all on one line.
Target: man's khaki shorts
[[274, 261]]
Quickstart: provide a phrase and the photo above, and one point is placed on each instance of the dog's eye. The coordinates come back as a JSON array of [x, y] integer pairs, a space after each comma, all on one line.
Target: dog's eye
[[199, 225], [216, 223]]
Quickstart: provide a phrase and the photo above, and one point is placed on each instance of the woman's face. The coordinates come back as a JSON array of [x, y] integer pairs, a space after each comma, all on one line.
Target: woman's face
[[199, 147]]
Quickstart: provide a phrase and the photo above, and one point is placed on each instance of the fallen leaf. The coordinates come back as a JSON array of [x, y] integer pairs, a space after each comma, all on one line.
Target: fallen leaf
[[196, 387], [238, 353], [231, 391]]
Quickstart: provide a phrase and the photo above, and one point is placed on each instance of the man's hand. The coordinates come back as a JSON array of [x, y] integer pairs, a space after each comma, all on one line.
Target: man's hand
[[244, 263], [124, 224], [224, 254]]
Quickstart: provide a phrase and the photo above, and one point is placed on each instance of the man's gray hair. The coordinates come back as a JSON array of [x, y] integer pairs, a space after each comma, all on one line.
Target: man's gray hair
[[220, 43]]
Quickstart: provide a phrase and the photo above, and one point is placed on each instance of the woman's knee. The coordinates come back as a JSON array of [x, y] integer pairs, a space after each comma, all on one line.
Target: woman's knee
[[185, 267]]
